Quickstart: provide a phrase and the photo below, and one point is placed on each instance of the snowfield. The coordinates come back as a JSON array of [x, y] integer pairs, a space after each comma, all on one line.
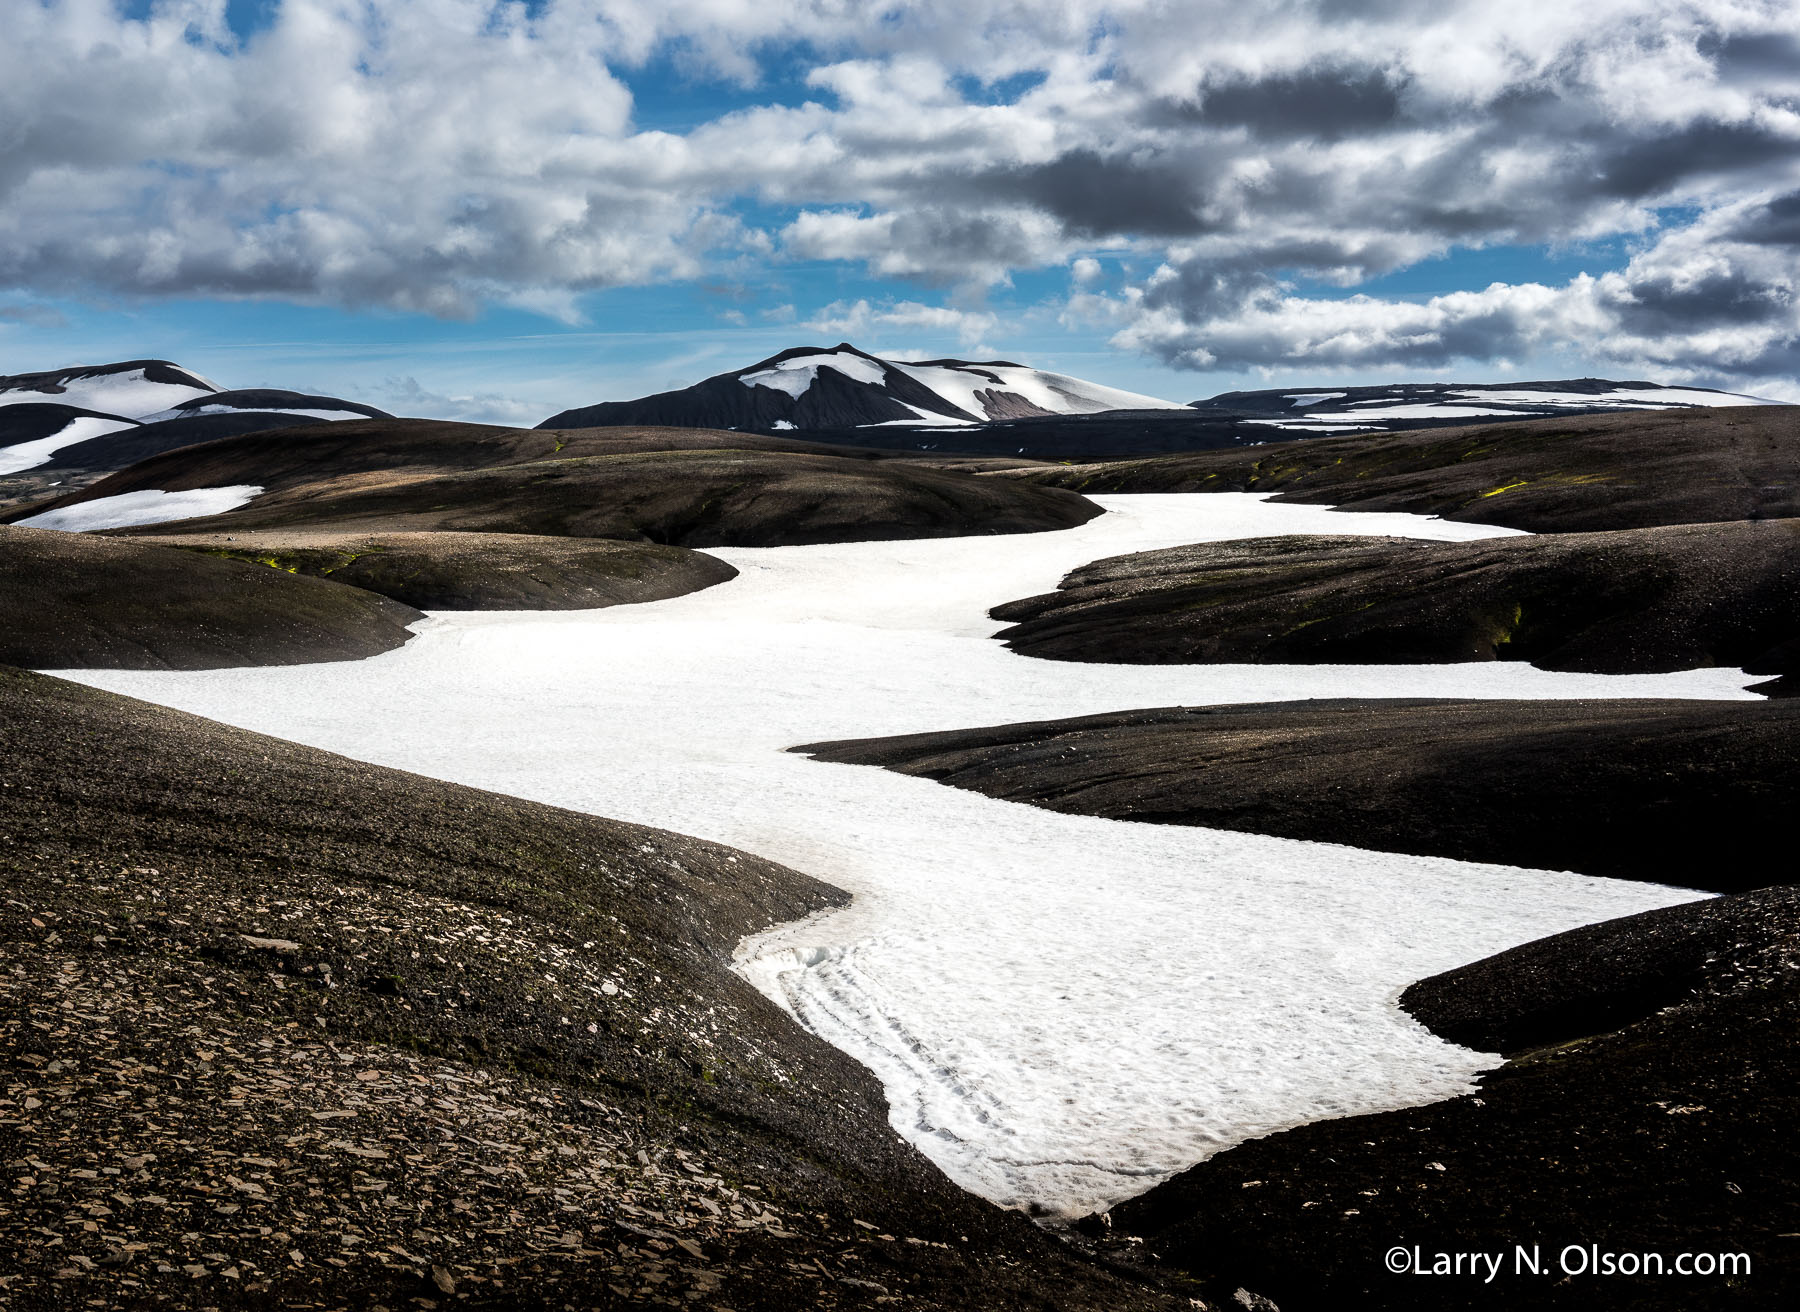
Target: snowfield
[[150, 506], [1063, 1009]]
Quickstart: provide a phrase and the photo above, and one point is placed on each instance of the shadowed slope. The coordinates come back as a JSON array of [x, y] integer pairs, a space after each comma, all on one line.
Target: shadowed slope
[[476, 571], [1680, 792], [667, 486], [1546, 475], [72, 600], [1632, 602]]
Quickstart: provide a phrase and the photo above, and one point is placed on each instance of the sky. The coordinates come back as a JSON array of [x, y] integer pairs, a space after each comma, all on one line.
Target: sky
[[497, 211]]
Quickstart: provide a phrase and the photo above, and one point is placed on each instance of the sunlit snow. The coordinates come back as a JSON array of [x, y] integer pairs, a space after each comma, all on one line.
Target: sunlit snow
[[1063, 1009], [150, 506], [796, 375], [129, 394], [28, 455]]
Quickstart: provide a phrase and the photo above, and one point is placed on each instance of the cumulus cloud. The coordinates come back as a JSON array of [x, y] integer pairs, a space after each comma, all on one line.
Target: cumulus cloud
[[1702, 304], [438, 155], [847, 318]]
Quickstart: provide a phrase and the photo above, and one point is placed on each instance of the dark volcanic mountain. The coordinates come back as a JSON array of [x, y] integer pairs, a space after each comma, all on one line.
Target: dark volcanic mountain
[[811, 387]]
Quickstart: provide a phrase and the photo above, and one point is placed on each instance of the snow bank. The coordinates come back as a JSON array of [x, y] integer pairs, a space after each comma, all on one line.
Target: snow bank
[[1063, 1009], [150, 506]]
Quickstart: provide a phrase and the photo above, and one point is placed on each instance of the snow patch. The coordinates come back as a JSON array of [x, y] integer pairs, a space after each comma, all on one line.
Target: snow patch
[[28, 455], [150, 506], [1313, 398], [130, 394], [1062, 1009], [795, 376]]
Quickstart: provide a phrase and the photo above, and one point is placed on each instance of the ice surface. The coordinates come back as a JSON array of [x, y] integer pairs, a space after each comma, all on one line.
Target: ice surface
[[796, 375], [28, 455], [129, 394], [150, 506], [1062, 1009]]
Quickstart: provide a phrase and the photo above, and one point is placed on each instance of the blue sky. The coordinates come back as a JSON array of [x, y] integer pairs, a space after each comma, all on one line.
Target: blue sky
[[498, 211]]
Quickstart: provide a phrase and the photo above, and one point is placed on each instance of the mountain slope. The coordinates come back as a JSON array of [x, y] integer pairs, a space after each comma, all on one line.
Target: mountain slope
[[1393, 406], [813, 388], [666, 486]]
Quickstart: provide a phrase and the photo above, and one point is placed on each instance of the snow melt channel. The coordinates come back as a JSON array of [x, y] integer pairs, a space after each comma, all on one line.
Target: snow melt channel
[[1063, 1009]]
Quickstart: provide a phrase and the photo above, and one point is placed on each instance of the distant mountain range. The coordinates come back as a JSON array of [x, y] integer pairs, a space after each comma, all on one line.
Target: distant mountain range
[[84, 421], [104, 417], [812, 387], [999, 408]]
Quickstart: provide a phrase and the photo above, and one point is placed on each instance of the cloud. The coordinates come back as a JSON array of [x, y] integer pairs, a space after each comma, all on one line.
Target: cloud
[[404, 395], [1700, 304], [438, 156], [847, 319]]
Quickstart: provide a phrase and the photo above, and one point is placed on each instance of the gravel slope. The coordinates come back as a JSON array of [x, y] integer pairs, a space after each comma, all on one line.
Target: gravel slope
[[283, 1029]]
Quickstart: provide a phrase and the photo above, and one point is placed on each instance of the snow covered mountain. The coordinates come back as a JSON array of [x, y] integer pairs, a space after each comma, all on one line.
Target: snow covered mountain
[[1418, 405], [128, 389], [59, 416], [839, 388]]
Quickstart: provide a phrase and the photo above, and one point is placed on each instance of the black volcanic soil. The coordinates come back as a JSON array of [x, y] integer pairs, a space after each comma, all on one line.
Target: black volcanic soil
[[1629, 602], [1669, 1131], [475, 571], [654, 485], [1578, 474], [284, 1029], [1692, 793], [71, 600]]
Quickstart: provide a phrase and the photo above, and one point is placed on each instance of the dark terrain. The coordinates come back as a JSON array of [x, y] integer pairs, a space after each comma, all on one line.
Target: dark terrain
[[475, 571], [1692, 793], [1636, 601], [74, 600], [1581, 474], [668, 486], [284, 1029], [1649, 1108]]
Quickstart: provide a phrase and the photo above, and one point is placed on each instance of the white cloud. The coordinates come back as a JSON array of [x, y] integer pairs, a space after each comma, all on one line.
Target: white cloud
[[847, 319], [438, 155]]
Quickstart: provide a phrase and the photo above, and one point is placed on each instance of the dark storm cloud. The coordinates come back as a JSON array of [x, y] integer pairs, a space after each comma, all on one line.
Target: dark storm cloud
[[1327, 103], [1094, 195], [1774, 224]]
